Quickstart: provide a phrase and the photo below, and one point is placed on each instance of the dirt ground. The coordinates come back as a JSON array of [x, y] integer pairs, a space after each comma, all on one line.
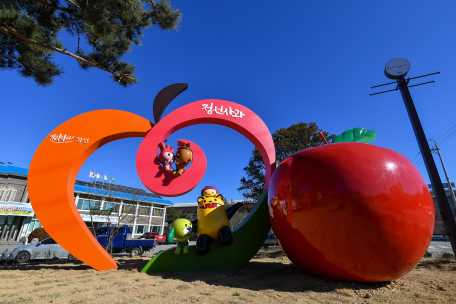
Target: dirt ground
[[268, 278]]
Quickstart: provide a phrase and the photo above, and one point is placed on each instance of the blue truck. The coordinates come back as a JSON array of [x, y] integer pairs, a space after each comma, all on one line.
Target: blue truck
[[122, 241]]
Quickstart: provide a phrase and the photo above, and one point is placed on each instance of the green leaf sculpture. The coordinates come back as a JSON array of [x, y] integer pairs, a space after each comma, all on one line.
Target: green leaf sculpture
[[356, 135]]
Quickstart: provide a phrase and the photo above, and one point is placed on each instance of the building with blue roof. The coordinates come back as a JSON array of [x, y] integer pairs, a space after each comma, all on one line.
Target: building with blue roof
[[99, 204]]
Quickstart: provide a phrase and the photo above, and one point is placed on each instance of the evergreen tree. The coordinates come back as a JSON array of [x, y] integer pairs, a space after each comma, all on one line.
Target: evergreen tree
[[286, 141], [105, 31], [177, 214]]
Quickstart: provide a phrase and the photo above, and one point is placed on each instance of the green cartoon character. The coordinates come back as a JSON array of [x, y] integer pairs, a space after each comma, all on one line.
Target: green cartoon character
[[182, 230]]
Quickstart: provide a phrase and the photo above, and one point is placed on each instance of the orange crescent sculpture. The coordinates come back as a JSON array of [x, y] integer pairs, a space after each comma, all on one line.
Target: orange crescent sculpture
[[53, 172]]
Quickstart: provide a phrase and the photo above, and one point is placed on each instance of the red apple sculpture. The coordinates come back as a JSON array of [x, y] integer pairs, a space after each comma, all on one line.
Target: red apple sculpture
[[351, 211]]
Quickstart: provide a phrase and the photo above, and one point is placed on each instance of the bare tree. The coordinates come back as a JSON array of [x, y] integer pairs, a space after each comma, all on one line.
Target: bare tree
[[95, 196], [123, 203], [240, 214]]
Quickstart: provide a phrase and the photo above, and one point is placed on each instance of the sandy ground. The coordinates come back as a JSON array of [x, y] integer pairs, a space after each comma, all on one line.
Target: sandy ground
[[268, 278]]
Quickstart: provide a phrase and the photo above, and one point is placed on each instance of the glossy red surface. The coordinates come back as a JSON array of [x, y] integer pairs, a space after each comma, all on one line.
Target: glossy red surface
[[351, 211], [248, 124]]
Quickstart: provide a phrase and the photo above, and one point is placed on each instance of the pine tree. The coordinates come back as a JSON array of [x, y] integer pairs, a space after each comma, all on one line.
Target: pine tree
[[175, 214], [105, 30], [286, 141]]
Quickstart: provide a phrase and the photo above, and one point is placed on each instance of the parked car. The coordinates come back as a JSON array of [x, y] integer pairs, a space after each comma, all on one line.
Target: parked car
[[46, 249], [271, 240], [123, 242], [161, 239]]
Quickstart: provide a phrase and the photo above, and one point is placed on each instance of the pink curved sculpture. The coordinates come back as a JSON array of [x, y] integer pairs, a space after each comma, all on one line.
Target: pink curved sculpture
[[209, 111], [157, 180]]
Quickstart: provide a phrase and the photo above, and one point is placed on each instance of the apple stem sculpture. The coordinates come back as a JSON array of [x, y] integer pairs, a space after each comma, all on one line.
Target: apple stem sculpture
[[323, 138]]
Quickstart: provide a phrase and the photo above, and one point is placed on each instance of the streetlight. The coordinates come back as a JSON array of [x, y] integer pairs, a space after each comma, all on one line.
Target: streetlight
[[397, 69]]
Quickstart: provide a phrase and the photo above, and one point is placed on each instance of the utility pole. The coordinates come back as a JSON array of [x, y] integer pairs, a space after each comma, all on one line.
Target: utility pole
[[397, 69], [446, 175]]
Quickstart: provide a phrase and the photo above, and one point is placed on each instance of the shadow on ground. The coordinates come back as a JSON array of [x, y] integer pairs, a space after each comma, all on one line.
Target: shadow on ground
[[262, 276], [266, 271], [438, 264], [123, 263]]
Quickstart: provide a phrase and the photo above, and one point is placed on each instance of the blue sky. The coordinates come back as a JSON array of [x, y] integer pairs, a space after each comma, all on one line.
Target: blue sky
[[289, 62]]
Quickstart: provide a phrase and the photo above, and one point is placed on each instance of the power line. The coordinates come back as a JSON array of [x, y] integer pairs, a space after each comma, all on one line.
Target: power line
[[445, 132], [420, 163], [416, 157], [448, 137], [443, 128], [418, 160], [446, 140]]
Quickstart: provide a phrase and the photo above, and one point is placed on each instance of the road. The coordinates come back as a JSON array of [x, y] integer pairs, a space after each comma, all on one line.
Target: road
[[157, 249], [11, 245], [437, 248]]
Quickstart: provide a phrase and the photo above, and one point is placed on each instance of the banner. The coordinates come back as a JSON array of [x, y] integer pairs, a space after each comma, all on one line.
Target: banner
[[19, 209], [100, 218]]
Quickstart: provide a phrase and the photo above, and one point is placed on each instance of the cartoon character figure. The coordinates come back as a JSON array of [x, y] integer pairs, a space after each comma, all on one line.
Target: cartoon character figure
[[213, 223], [184, 156], [166, 156], [182, 230], [209, 191]]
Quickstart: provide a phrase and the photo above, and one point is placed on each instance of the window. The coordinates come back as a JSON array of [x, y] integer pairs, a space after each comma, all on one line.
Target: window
[[32, 224], [129, 209], [102, 231], [48, 241], [157, 212], [155, 229], [12, 195], [8, 194], [140, 229], [127, 228], [5, 192], [87, 205], [113, 207], [95, 205], [24, 200], [144, 211], [2, 191], [83, 204]]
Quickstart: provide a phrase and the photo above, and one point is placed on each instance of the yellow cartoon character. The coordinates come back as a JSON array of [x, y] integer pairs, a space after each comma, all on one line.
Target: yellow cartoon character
[[213, 223], [209, 191], [182, 230]]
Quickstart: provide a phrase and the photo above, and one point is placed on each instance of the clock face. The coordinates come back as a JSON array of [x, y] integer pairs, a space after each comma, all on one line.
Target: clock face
[[397, 67]]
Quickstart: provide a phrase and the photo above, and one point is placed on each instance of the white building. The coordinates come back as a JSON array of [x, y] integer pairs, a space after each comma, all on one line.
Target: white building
[[102, 203]]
